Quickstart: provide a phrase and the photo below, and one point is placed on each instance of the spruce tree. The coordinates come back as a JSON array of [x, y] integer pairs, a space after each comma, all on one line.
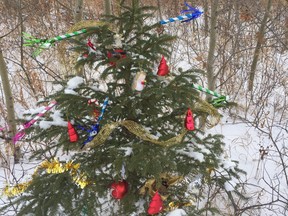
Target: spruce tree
[[141, 137]]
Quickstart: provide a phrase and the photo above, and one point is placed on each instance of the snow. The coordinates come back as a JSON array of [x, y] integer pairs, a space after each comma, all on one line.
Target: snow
[[75, 82], [128, 151], [241, 138], [177, 212], [72, 84], [195, 155], [56, 120], [229, 186]]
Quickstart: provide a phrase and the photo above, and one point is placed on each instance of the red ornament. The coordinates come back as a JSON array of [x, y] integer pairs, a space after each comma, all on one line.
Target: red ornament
[[156, 204], [73, 136], [120, 188], [91, 45], [118, 54], [163, 69], [96, 113], [189, 121]]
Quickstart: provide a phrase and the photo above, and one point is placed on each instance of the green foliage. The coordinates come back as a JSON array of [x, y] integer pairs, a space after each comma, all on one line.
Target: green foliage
[[160, 108]]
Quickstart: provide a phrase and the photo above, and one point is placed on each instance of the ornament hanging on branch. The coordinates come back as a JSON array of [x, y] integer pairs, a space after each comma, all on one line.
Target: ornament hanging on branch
[[151, 186], [156, 204], [163, 68], [93, 131], [83, 56], [95, 103], [91, 45], [189, 121], [73, 136], [115, 55], [139, 81], [119, 189], [117, 41]]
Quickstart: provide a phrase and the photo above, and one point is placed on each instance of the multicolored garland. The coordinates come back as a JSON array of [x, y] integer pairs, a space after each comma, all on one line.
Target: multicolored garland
[[53, 167]]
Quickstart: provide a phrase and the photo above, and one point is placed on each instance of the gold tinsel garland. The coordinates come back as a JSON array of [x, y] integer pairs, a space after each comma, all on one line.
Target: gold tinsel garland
[[135, 129], [53, 167]]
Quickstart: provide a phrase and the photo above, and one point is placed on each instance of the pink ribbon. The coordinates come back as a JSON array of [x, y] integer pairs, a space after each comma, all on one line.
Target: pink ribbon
[[18, 136]]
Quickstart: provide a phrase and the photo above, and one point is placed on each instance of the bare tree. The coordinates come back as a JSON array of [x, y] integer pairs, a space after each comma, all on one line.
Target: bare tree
[[107, 7], [9, 106], [260, 41], [212, 44], [78, 14]]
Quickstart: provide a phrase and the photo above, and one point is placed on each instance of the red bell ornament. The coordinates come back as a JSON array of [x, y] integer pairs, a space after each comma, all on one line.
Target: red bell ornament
[[156, 204], [73, 136], [163, 69], [189, 121], [119, 189]]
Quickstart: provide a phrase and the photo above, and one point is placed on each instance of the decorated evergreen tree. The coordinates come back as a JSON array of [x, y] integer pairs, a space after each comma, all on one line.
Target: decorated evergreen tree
[[128, 132]]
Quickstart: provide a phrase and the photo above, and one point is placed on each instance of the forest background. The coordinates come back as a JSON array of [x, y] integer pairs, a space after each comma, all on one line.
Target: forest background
[[242, 46]]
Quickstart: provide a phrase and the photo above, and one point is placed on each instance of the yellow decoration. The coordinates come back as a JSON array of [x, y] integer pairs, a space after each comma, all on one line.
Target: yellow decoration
[[150, 184], [204, 106], [176, 205], [81, 181], [15, 190], [136, 129], [54, 167]]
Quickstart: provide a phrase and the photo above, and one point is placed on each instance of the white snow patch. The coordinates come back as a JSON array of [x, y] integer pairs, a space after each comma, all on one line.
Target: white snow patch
[[177, 212], [70, 91], [57, 120], [128, 151], [75, 82], [195, 155], [229, 186]]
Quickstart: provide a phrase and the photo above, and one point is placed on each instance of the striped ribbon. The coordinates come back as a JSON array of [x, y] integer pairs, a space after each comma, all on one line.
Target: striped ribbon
[[46, 43], [182, 18], [105, 103], [65, 36], [21, 133], [208, 91], [93, 131]]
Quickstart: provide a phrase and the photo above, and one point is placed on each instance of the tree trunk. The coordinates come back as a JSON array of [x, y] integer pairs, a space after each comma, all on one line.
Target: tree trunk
[[212, 44], [210, 59], [260, 41], [286, 34], [206, 25], [78, 16], [107, 7], [9, 106], [78, 11]]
